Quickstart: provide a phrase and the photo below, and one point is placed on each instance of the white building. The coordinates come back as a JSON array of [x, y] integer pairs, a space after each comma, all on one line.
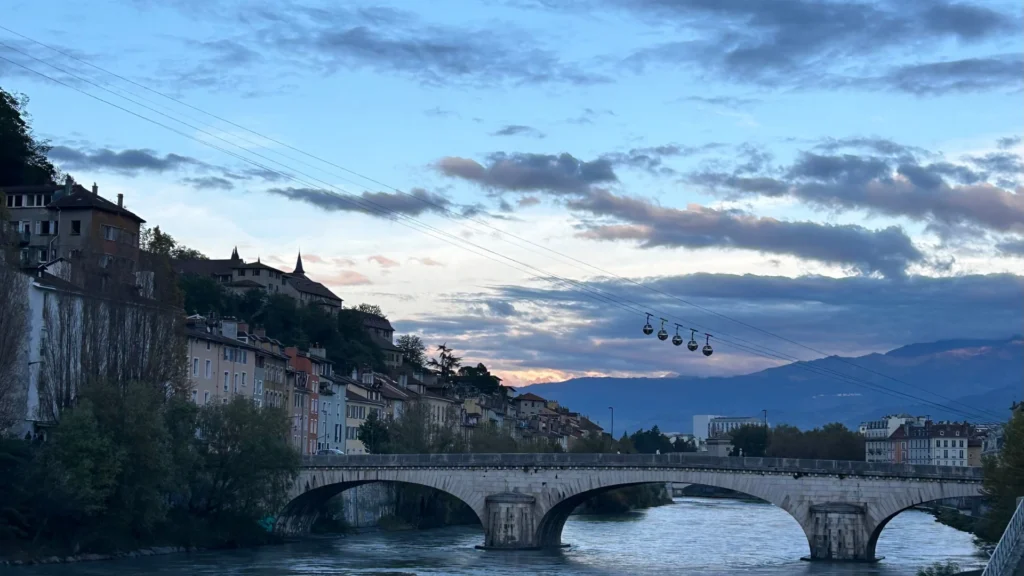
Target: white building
[[949, 443], [723, 425], [700, 426]]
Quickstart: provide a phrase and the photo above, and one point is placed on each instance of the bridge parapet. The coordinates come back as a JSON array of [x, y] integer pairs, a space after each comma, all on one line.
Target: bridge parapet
[[687, 460]]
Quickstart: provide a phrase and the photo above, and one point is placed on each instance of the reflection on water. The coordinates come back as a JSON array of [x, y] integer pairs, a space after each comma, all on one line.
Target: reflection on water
[[692, 537]]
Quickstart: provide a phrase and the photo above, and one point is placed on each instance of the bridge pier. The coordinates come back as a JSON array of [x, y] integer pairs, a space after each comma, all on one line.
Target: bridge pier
[[839, 531], [510, 522]]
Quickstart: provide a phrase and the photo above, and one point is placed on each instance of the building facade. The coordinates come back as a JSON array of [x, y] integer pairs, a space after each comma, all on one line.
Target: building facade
[[723, 425]]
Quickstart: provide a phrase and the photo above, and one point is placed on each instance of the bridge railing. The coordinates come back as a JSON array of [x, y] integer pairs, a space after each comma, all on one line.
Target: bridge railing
[[674, 460], [1010, 548]]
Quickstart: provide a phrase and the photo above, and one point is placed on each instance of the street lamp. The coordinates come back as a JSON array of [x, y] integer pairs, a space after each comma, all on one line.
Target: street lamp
[[765, 418], [612, 409]]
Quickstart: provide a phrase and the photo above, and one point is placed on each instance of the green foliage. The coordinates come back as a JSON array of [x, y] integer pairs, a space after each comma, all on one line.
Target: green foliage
[[125, 468], [374, 434], [831, 442], [939, 569], [371, 309], [154, 241], [413, 349], [22, 157], [285, 319], [749, 440], [248, 464], [478, 378], [1003, 481]]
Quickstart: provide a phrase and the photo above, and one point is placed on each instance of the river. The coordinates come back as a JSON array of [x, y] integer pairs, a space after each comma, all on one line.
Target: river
[[693, 536]]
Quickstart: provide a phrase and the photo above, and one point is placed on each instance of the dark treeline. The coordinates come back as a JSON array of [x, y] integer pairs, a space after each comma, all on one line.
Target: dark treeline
[[342, 335], [831, 442]]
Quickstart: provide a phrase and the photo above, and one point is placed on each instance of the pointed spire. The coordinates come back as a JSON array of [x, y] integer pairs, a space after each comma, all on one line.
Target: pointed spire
[[298, 265], [234, 254], [257, 259]]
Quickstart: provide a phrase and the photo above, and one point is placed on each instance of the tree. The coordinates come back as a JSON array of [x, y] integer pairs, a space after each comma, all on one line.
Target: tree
[[23, 158], [1003, 480], [247, 462], [371, 309], [374, 434], [413, 349], [479, 379], [154, 241], [447, 363], [749, 440]]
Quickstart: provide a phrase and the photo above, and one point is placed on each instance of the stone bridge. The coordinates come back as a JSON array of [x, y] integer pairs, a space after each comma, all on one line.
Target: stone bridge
[[524, 500]]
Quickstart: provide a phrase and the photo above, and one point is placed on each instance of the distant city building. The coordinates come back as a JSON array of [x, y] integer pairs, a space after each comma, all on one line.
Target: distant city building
[[700, 426], [877, 434], [723, 425]]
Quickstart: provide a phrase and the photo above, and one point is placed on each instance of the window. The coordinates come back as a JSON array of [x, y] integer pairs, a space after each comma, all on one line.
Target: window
[[195, 366], [209, 370], [195, 396], [241, 272], [42, 254], [207, 344], [206, 397], [227, 378], [76, 227], [243, 379], [245, 356], [236, 383], [110, 233], [256, 272]]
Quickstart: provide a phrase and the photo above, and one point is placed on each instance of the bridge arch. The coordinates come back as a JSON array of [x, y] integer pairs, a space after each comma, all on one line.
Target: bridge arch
[[556, 509], [923, 497], [313, 488]]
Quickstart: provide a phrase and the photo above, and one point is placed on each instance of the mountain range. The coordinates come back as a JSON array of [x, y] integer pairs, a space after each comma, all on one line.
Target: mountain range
[[975, 380]]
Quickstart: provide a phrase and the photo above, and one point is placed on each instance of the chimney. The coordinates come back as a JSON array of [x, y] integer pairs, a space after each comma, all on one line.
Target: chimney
[[95, 189], [120, 200]]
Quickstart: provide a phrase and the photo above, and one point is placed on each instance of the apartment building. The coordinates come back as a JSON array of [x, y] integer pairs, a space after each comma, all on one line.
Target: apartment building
[[362, 398], [68, 221], [221, 366]]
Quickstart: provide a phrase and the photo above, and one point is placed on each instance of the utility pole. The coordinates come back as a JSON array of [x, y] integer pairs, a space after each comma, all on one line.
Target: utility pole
[[765, 418], [612, 409]]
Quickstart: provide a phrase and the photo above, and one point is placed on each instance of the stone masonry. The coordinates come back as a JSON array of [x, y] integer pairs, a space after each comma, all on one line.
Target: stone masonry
[[524, 500]]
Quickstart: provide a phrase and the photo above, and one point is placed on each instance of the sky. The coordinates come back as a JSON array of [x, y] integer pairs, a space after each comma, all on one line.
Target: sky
[[526, 179]]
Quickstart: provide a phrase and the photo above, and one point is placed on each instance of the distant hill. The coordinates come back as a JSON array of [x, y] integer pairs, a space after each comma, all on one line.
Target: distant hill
[[984, 374]]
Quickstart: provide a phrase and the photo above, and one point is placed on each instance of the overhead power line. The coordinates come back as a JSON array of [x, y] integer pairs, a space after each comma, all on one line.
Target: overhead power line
[[597, 294]]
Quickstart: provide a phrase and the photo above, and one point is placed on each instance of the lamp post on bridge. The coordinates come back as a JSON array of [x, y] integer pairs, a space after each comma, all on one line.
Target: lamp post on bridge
[[612, 432]]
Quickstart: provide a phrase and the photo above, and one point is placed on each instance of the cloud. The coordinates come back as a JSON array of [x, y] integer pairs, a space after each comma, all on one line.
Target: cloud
[[340, 38], [382, 204], [558, 329], [344, 278], [892, 182], [965, 75], [808, 43], [588, 115], [130, 161], [888, 251], [1008, 142], [518, 130], [1014, 247], [209, 183], [383, 261], [652, 158], [724, 101], [562, 174], [438, 112], [426, 261]]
